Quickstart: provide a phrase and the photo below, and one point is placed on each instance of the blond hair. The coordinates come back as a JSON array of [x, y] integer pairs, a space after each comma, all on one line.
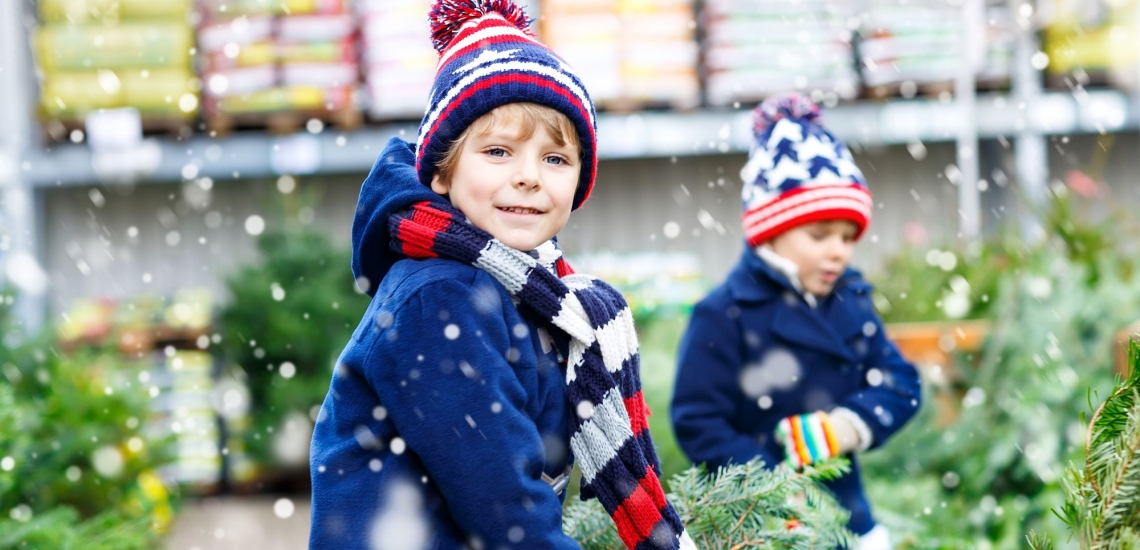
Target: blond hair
[[529, 116]]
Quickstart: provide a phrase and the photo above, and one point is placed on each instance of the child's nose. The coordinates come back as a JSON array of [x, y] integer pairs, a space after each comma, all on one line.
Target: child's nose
[[528, 174], [838, 249]]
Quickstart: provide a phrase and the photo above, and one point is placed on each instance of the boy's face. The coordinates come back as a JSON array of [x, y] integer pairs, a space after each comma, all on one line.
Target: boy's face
[[521, 191], [821, 251]]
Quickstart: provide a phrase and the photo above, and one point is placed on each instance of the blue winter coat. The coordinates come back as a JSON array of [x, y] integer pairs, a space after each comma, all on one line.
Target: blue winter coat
[[444, 409], [755, 352]]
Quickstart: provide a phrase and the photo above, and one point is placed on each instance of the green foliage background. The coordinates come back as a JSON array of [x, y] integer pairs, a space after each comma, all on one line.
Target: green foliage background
[[308, 327], [1056, 307], [55, 413]]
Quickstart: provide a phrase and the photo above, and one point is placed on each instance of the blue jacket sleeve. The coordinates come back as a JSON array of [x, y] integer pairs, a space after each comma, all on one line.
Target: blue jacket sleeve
[[707, 392], [458, 404], [889, 398]]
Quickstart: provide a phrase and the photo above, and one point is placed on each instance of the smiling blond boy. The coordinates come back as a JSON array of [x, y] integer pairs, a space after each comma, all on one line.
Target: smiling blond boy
[[484, 368]]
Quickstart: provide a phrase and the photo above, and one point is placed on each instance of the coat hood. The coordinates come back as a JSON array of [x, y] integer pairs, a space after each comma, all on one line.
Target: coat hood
[[392, 185]]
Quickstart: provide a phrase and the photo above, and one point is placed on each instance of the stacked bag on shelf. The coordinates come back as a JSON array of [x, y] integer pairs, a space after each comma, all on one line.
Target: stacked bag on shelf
[[629, 53], [105, 54], [918, 43], [659, 52], [398, 57], [182, 385], [1001, 40], [165, 340], [1097, 41], [756, 48], [586, 33], [260, 58]]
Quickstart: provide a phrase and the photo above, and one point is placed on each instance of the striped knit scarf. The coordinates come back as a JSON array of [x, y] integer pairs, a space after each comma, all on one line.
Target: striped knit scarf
[[611, 441]]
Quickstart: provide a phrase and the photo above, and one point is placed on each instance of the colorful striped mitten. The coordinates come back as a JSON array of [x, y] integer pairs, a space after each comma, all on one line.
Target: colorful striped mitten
[[808, 438]]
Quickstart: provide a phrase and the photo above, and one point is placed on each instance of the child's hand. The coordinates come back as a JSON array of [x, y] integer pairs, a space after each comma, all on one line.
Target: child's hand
[[815, 437]]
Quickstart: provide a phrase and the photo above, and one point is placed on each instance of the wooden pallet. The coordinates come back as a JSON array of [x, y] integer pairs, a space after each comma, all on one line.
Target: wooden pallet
[[930, 346], [282, 122], [896, 89], [630, 105], [1084, 78], [59, 130], [993, 85], [133, 342]]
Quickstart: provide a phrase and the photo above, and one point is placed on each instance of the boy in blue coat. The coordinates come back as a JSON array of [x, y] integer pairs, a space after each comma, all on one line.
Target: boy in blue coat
[[787, 359], [484, 368]]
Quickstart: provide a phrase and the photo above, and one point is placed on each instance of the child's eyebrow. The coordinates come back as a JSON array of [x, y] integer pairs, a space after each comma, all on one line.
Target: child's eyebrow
[[500, 133]]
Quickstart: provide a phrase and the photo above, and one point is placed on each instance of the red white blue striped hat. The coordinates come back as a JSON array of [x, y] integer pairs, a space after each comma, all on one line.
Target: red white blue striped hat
[[798, 172], [488, 58]]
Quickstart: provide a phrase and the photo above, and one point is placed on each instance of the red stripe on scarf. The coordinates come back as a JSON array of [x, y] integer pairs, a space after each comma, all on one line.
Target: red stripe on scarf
[[652, 485], [636, 516], [563, 267], [638, 413], [418, 232]]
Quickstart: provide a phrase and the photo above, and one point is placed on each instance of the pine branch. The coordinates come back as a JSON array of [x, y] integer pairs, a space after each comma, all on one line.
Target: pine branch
[[743, 506], [1102, 506]]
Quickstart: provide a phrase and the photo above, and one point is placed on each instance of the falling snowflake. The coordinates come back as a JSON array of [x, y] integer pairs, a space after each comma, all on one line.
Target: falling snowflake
[[777, 370], [254, 225], [451, 331], [400, 525], [283, 508]]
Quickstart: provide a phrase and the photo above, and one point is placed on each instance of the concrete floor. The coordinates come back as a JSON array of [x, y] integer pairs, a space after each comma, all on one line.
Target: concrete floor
[[241, 523]]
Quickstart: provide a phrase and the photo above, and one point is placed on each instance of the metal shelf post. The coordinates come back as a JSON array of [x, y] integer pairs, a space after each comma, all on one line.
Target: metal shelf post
[[1030, 155], [20, 239], [965, 94]]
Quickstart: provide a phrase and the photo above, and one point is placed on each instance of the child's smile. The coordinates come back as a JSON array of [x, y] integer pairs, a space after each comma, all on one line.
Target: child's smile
[[521, 210]]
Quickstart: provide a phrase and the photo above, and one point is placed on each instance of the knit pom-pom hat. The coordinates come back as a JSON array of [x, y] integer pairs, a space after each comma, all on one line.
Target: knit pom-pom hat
[[798, 172], [488, 58]]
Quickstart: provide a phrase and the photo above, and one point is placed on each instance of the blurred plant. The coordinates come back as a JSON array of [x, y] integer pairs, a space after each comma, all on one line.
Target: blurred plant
[[1102, 498], [76, 466], [658, 337], [290, 315], [742, 506], [994, 471], [961, 282]]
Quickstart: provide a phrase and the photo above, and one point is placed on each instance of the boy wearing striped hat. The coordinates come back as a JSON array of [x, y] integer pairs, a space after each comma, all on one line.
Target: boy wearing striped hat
[[484, 367], [787, 359]]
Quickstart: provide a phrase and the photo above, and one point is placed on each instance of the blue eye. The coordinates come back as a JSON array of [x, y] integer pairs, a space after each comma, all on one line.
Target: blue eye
[[555, 160], [497, 152]]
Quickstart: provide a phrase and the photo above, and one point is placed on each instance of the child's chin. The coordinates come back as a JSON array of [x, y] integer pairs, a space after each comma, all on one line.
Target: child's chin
[[520, 243], [820, 289]]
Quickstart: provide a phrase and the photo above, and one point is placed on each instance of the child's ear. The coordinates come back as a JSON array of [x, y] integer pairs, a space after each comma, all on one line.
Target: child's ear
[[438, 185]]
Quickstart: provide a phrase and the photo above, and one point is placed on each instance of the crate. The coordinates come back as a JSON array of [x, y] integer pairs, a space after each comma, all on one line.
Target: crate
[[283, 122]]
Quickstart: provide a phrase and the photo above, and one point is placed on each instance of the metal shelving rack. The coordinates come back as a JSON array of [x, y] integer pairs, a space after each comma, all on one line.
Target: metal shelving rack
[[621, 136], [1027, 114], [22, 211]]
